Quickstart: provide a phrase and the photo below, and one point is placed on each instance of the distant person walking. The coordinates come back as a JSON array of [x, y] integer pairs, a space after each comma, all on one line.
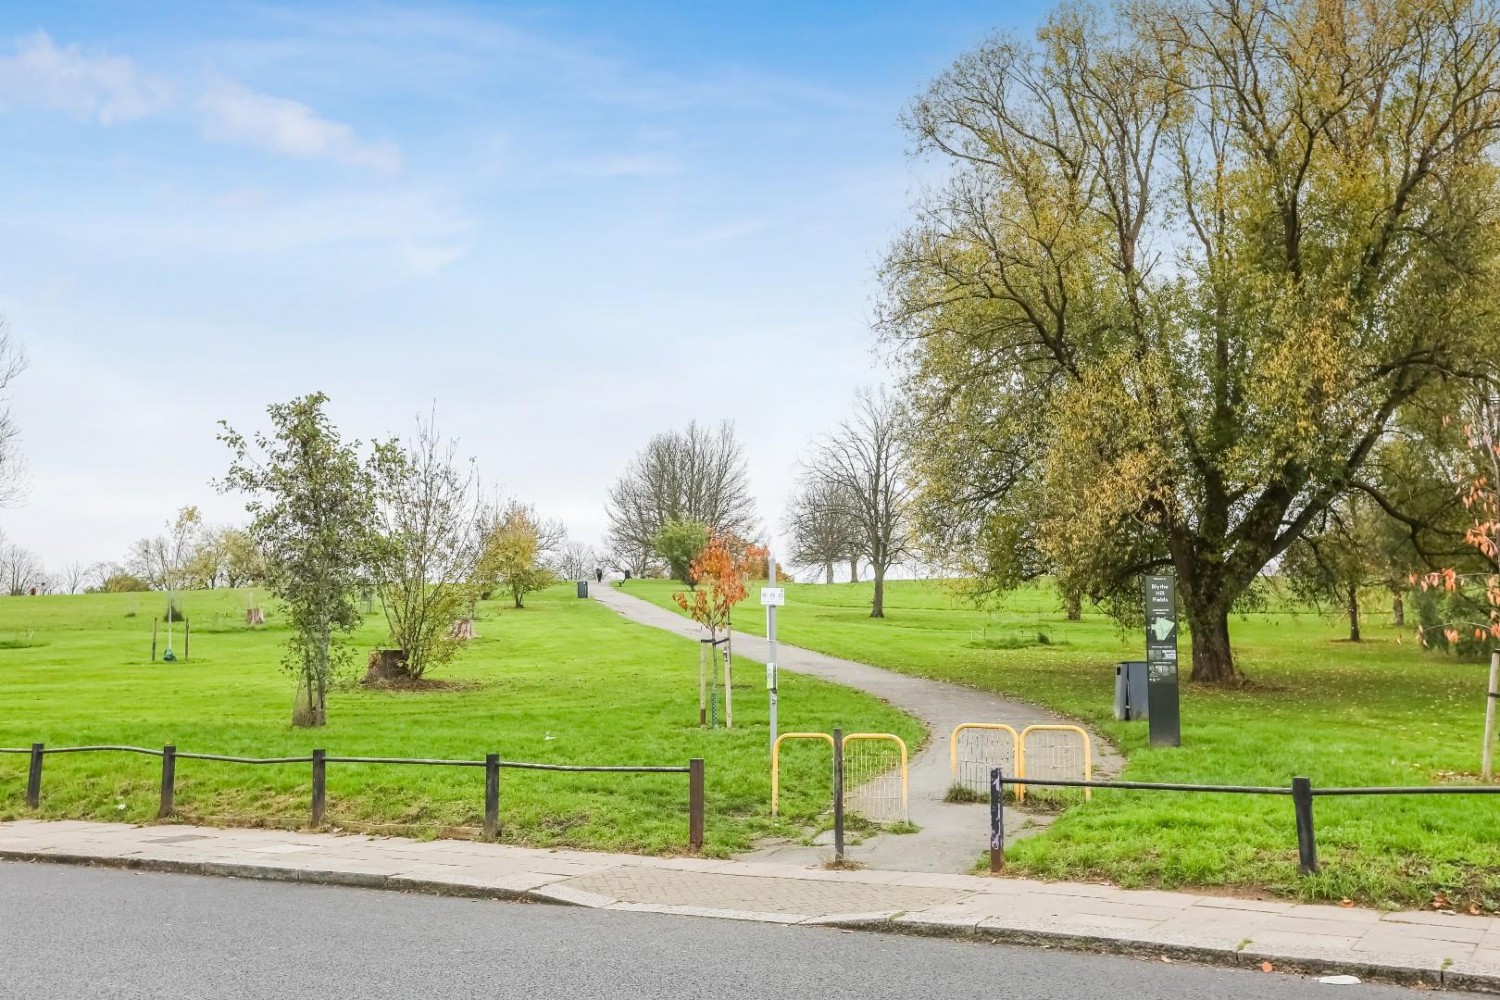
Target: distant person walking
[[599, 575]]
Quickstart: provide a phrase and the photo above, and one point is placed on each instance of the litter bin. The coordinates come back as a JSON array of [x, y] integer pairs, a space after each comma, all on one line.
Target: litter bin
[[583, 588], [1130, 690]]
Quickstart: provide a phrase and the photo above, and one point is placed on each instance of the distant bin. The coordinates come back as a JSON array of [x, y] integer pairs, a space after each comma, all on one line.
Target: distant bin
[[1130, 690], [583, 591]]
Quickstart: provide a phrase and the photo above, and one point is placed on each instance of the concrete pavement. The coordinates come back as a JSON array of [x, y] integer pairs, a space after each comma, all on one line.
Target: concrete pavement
[[1432, 948], [951, 837]]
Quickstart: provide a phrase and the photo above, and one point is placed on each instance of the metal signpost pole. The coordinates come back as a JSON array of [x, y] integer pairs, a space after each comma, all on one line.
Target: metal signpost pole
[[771, 639]]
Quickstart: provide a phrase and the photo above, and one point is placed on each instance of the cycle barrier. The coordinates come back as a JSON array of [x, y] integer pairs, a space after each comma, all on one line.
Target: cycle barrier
[[1041, 751], [875, 768]]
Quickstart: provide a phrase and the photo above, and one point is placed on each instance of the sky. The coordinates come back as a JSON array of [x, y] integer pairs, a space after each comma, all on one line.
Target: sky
[[561, 227]]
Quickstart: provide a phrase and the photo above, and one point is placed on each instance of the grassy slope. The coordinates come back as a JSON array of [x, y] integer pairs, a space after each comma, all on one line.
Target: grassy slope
[[563, 681], [1380, 712]]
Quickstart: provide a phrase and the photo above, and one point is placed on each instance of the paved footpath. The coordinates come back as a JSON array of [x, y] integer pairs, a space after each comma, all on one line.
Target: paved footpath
[[951, 837], [1456, 951]]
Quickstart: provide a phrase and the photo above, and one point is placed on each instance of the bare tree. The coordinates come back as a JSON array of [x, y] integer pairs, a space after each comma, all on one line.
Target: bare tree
[[696, 474], [20, 570], [429, 521], [12, 478], [865, 462], [575, 561], [821, 522], [72, 577]]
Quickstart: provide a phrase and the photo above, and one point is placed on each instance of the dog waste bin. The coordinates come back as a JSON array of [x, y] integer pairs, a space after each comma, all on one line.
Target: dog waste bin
[[583, 588], [1130, 690]]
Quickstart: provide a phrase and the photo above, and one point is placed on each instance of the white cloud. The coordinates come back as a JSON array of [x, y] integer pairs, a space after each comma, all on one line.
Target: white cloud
[[108, 89], [237, 116]]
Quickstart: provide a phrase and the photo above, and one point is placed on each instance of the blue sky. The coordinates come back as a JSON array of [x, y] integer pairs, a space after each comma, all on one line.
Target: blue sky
[[566, 226]]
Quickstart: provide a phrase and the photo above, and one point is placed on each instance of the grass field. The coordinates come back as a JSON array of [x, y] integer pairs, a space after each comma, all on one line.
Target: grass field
[[563, 681], [1381, 712]]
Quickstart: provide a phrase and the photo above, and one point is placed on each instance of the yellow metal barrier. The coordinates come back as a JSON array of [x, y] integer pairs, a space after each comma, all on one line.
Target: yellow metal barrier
[[980, 782], [776, 762], [865, 789], [1058, 765]]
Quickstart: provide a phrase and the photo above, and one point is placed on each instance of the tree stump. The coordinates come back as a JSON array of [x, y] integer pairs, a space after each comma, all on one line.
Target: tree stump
[[255, 616], [463, 629], [386, 665]]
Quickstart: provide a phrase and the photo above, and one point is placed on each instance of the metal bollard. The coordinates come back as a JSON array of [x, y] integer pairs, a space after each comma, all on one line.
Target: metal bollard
[[34, 777], [997, 821], [838, 795]]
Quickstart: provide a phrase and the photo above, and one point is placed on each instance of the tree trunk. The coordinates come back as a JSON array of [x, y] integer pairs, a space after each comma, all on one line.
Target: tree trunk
[[1398, 610], [854, 570], [1073, 602], [1213, 658], [1354, 614], [828, 572], [877, 606]]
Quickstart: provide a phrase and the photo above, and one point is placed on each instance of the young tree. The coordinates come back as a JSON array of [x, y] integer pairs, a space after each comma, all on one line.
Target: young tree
[[865, 463], [1192, 264], [679, 544], [241, 563], [516, 552], [718, 582], [313, 517], [691, 475], [822, 526], [12, 363], [1353, 546], [428, 521]]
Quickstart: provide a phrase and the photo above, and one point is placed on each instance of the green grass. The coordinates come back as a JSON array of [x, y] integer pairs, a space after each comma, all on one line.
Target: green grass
[[1381, 712], [563, 681]]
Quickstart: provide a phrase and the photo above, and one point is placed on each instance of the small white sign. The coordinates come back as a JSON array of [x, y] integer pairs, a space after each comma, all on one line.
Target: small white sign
[[773, 596], [770, 677]]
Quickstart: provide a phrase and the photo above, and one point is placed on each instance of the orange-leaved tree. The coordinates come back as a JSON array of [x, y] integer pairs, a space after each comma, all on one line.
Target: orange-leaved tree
[[1474, 621], [718, 576]]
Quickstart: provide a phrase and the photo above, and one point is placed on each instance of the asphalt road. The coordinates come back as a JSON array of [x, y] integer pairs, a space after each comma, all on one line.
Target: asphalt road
[[77, 932]]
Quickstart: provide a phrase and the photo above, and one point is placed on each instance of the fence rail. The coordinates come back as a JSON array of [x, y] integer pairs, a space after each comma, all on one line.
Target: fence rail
[[320, 759], [1301, 792]]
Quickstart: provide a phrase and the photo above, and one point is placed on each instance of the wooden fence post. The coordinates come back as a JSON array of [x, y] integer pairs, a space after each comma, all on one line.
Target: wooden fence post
[[319, 789], [1307, 848], [491, 796], [695, 804], [168, 780], [34, 778], [838, 795]]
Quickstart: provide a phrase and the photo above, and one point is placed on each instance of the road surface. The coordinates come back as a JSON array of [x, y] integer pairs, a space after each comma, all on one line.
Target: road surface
[[69, 932]]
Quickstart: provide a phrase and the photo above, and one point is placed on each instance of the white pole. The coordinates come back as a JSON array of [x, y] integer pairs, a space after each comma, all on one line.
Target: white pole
[[1488, 760], [771, 641]]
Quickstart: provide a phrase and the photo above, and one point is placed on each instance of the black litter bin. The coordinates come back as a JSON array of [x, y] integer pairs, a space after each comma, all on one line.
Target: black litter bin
[[1130, 690], [583, 588]]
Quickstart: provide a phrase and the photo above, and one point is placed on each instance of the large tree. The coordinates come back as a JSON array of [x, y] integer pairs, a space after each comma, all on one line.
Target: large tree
[[866, 464], [312, 507], [696, 474], [1191, 264]]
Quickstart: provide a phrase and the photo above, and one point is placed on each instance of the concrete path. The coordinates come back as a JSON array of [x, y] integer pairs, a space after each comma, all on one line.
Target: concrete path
[[1424, 947], [952, 837]]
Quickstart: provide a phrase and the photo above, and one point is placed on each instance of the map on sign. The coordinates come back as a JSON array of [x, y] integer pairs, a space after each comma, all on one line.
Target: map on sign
[[1163, 628], [773, 596]]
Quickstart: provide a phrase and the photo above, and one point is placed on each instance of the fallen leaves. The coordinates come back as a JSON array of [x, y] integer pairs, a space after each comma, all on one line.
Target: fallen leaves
[[1267, 967]]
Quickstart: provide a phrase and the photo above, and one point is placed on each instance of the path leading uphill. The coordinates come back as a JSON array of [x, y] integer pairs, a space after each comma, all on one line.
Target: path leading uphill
[[952, 836]]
